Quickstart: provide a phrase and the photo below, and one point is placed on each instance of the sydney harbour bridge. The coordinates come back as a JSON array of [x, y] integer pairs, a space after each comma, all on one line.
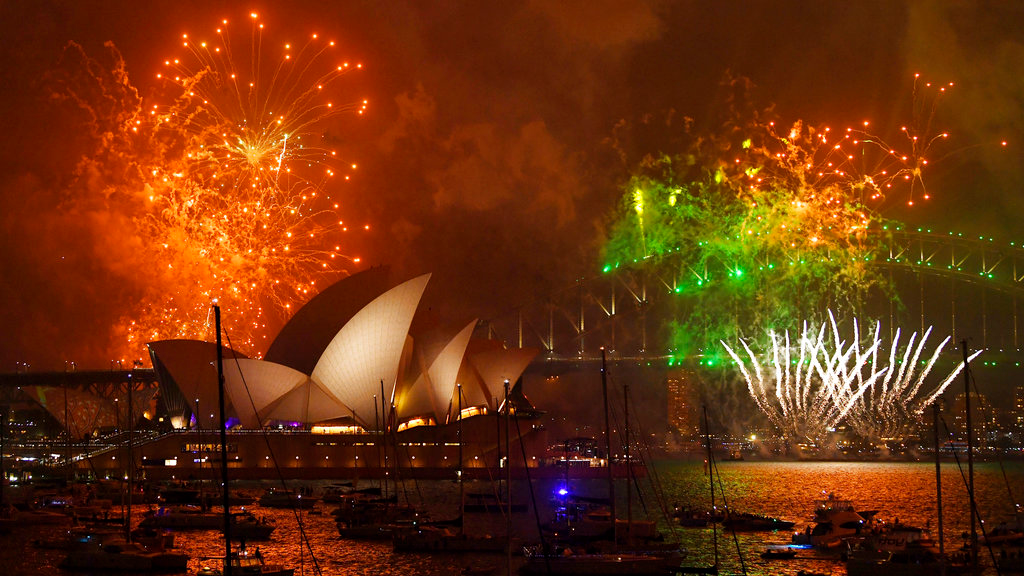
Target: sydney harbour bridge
[[963, 287]]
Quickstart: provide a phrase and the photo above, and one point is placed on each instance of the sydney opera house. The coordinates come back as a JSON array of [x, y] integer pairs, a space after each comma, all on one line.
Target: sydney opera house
[[358, 382]]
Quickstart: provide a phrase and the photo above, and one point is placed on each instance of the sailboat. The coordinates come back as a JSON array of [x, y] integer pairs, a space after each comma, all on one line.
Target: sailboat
[[240, 561], [182, 510], [921, 558], [374, 514], [245, 526], [564, 559], [440, 538], [115, 552]]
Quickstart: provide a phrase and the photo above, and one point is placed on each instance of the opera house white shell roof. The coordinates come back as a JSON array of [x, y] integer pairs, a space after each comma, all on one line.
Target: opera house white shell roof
[[313, 379]]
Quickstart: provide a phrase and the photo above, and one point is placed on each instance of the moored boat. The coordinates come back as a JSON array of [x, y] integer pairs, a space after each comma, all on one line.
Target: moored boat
[[915, 560], [234, 561], [184, 517], [444, 539], [566, 561], [277, 498], [692, 518], [244, 525], [779, 554], [747, 522], [244, 563], [835, 521], [111, 553]]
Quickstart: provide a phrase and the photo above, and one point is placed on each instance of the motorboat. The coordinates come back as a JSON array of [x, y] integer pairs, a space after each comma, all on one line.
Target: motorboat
[[835, 520], [377, 519], [247, 526], [180, 494]]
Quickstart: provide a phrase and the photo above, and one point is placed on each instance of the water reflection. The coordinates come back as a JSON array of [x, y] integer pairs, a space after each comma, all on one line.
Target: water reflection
[[784, 490]]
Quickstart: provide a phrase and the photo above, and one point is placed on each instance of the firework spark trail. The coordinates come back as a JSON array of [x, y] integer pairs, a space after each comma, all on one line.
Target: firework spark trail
[[808, 396], [759, 211], [825, 388], [226, 181], [241, 126]]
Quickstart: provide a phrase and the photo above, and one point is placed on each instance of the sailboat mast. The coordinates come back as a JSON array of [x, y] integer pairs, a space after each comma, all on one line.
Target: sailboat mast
[[223, 444], [131, 461], [384, 443], [711, 476], [608, 446], [970, 451], [67, 436], [938, 476], [629, 465], [508, 479], [3, 471], [462, 488]]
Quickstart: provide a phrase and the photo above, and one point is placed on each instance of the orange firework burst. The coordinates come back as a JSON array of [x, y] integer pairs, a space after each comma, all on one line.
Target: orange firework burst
[[238, 204], [809, 188], [855, 164]]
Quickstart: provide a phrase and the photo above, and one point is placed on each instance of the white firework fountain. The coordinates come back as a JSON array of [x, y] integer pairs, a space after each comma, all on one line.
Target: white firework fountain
[[821, 382]]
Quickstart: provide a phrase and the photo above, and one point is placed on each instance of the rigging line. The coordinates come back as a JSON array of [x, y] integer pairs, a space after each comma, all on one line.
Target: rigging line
[[621, 429], [529, 482], [398, 467], [987, 410], [655, 481], [273, 458], [391, 421], [974, 511], [495, 485], [728, 511], [495, 489]]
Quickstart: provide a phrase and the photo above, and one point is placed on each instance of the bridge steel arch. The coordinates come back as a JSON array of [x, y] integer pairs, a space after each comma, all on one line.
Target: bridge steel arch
[[964, 287]]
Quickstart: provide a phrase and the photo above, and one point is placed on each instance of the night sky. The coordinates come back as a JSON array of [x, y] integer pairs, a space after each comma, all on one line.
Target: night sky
[[486, 156]]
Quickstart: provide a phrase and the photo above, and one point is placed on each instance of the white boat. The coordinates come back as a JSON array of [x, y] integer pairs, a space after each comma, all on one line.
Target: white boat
[[918, 556], [835, 521]]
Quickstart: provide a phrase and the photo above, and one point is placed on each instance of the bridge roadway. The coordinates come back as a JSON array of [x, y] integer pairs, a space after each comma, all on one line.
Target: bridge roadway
[[963, 287], [103, 383]]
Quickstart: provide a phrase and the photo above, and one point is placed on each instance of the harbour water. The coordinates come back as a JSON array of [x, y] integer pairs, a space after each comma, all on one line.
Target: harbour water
[[786, 490]]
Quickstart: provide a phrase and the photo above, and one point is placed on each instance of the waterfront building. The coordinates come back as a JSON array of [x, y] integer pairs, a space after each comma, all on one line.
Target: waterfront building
[[982, 418], [682, 413], [1018, 406], [358, 382]]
